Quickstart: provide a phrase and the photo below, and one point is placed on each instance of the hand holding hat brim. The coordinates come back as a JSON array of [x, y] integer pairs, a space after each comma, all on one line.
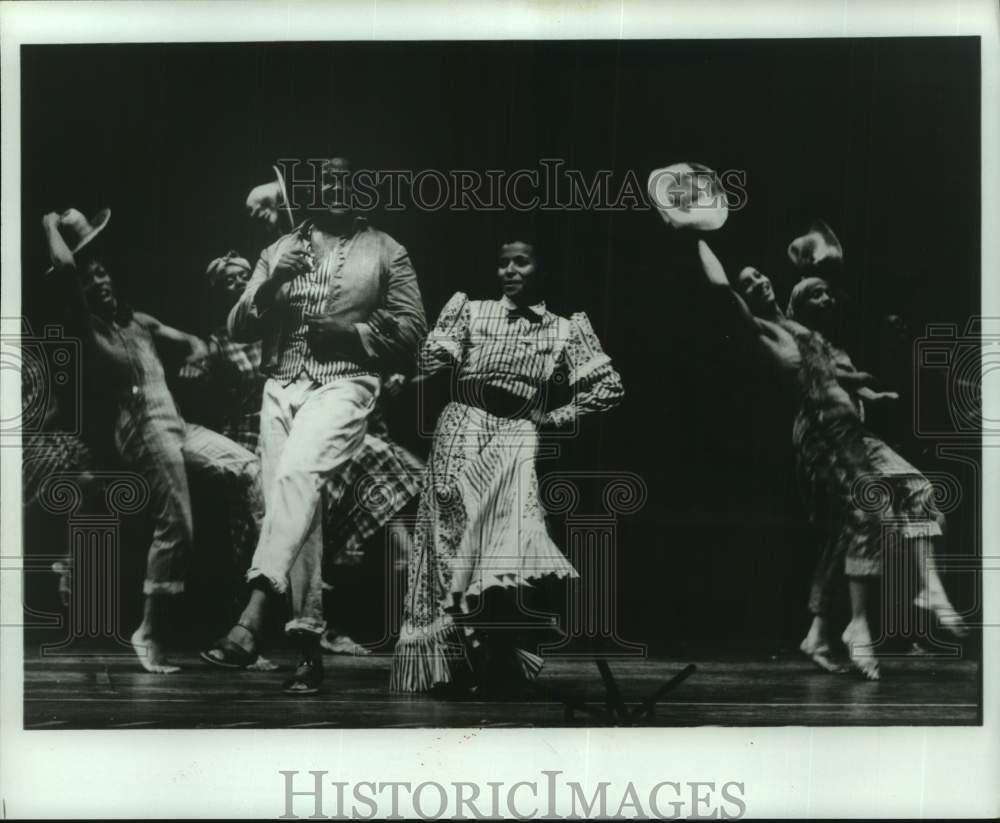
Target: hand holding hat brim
[[78, 232]]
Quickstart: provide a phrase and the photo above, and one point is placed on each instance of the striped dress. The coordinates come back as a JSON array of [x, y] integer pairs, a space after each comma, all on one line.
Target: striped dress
[[480, 522]]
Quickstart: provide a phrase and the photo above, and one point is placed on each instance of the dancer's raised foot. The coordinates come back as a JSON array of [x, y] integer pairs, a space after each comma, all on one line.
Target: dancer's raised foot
[[342, 644], [937, 602], [858, 640], [150, 653]]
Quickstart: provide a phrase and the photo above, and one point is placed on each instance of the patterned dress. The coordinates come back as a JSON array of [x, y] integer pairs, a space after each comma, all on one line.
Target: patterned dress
[[480, 522], [857, 487]]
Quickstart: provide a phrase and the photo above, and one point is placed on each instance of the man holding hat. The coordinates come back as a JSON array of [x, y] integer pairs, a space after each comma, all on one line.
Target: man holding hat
[[336, 303], [149, 433]]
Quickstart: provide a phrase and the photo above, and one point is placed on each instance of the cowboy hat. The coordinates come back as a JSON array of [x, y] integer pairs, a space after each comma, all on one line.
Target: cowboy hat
[[280, 179], [688, 196], [818, 245], [272, 195], [77, 231]]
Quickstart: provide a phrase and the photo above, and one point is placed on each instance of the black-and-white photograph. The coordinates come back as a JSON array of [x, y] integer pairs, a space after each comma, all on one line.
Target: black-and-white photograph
[[574, 383]]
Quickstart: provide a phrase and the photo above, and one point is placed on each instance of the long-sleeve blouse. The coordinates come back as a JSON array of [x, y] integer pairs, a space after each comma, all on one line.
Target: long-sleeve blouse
[[522, 351]]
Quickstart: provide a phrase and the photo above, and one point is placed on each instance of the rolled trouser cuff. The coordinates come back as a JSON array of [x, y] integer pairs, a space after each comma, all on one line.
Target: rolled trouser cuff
[[278, 583], [305, 624]]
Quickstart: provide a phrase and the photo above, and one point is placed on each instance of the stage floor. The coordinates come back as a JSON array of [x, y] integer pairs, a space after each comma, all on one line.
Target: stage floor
[[99, 692]]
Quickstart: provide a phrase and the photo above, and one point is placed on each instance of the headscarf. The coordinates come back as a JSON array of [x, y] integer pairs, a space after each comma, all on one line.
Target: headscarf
[[219, 265], [801, 292]]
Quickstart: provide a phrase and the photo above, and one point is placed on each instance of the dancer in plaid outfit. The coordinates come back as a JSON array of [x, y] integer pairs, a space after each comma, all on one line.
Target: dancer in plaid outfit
[[149, 433], [836, 457]]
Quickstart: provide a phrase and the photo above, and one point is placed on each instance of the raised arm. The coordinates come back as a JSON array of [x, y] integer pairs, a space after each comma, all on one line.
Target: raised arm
[[278, 264], [67, 278], [715, 276]]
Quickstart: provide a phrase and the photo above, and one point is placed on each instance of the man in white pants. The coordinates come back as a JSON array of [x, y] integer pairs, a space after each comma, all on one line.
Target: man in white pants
[[336, 302]]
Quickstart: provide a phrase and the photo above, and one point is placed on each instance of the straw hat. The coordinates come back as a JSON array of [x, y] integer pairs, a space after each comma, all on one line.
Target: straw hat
[[818, 245], [688, 196], [77, 231]]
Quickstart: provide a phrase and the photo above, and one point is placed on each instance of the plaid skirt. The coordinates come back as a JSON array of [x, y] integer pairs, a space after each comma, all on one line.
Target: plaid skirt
[[47, 453], [360, 499], [859, 488], [480, 524]]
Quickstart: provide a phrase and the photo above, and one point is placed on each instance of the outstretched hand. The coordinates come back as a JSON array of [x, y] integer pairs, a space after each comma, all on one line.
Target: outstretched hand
[[867, 393]]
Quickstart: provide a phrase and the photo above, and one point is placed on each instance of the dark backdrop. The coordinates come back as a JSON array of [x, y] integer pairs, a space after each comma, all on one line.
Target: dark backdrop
[[880, 137]]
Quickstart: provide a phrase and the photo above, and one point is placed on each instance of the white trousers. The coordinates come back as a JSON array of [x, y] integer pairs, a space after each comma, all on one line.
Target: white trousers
[[307, 431]]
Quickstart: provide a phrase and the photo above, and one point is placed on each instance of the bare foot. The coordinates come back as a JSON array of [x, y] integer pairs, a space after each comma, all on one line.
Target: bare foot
[[938, 603], [62, 568], [820, 654], [151, 654], [342, 644], [858, 640], [262, 664]]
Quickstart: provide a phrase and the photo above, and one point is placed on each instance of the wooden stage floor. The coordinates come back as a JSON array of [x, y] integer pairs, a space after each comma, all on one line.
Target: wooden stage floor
[[103, 692]]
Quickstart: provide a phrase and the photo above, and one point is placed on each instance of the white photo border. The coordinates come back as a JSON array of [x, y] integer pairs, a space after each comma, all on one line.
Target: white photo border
[[789, 771]]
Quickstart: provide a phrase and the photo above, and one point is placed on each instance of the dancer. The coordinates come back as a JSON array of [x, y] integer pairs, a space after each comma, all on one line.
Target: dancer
[[361, 498], [835, 454], [336, 302], [372, 488], [149, 434], [911, 513], [480, 527]]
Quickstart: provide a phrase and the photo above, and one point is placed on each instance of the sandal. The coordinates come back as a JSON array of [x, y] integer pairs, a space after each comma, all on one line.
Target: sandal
[[229, 655], [307, 679]]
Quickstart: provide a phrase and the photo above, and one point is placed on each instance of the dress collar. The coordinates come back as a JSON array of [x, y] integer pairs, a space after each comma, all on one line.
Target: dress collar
[[538, 308]]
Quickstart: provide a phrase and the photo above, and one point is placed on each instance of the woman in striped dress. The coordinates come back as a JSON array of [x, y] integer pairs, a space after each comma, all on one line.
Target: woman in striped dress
[[480, 524]]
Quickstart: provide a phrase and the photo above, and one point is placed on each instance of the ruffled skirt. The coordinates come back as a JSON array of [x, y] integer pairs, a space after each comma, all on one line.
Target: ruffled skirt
[[480, 525]]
